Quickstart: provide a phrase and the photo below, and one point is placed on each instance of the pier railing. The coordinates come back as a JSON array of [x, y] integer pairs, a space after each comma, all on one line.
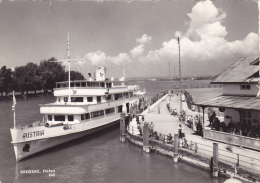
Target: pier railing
[[232, 139]]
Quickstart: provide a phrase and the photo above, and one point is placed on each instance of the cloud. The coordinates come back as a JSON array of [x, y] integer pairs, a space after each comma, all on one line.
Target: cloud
[[145, 39], [204, 43], [96, 58], [204, 47], [119, 58], [205, 21], [137, 51]]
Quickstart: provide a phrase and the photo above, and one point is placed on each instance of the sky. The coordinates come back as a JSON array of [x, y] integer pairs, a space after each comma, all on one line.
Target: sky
[[142, 34]]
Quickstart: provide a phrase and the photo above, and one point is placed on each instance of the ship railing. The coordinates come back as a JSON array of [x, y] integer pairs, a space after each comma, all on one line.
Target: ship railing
[[31, 125], [90, 84]]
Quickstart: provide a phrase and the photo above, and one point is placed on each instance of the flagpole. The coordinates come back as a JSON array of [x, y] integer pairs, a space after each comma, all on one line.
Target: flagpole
[[14, 103], [14, 120]]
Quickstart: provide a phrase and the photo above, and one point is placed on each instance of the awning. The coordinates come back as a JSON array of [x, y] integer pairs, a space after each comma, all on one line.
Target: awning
[[237, 102]]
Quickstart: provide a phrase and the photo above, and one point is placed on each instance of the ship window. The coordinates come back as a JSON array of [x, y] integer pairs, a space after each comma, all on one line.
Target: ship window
[[59, 117], [64, 85], [126, 95], [82, 116], [98, 99], [95, 114], [90, 99], [96, 84], [77, 84], [72, 84], [109, 97], [87, 116], [76, 99], [83, 84], [65, 99], [245, 87], [49, 117], [108, 85], [70, 118], [110, 110], [120, 108], [102, 84], [116, 96], [58, 85], [101, 113]]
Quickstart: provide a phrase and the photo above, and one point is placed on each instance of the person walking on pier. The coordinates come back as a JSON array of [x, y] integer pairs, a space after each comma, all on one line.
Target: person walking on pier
[[150, 126], [181, 134]]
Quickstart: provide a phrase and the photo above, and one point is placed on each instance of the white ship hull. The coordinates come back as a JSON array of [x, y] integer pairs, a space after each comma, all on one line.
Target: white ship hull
[[27, 148]]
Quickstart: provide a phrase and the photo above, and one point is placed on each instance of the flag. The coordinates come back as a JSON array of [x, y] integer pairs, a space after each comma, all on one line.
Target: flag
[[14, 102]]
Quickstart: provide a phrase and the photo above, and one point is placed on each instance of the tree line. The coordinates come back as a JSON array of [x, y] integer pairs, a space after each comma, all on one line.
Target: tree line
[[33, 77]]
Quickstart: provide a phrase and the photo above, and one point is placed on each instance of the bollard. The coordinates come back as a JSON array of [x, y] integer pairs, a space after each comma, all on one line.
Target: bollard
[[146, 146], [122, 127], [175, 155], [215, 160]]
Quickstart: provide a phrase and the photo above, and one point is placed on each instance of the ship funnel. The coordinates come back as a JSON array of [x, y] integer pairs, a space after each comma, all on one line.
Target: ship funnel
[[100, 73]]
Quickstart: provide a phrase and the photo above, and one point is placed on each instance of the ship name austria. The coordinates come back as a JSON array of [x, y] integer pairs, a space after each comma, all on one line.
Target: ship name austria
[[33, 134]]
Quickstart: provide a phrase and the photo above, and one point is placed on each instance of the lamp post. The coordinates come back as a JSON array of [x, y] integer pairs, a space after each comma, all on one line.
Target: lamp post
[[180, 74]]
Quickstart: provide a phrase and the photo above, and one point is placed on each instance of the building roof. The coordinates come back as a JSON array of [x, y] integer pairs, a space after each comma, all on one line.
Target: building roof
[[242, 70], [237, 102]]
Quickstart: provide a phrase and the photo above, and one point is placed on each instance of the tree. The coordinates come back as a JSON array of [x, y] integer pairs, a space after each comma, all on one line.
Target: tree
[[51, 72], [75, 75], [6, 80], [27, 78]]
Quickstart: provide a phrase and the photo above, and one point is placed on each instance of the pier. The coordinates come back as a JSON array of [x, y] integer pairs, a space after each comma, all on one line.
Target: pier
[[214, 156]]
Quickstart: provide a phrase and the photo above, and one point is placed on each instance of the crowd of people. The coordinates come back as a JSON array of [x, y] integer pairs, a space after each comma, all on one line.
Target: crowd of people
[[237, 128]]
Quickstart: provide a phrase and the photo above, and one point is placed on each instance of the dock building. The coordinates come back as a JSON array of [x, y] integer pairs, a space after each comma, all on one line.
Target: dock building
[[240, 104]]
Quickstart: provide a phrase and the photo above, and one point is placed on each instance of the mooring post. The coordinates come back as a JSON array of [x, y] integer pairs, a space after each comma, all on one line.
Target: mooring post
[[215, 160], [146, 146], [122, 127], [175, 155]]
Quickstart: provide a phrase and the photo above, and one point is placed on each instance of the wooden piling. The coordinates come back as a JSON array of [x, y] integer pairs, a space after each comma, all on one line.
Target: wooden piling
[[215, 160], [122, 127], [175, 155], [146, 146]]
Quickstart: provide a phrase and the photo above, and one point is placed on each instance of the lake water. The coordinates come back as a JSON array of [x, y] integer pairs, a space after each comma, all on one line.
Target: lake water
[[98, 158]]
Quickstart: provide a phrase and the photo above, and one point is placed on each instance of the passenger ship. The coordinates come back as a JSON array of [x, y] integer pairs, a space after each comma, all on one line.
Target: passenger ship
[[81, 108]]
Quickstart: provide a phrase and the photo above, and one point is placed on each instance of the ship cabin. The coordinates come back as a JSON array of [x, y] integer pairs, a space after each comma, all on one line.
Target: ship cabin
[[84, 100], [239, 104]]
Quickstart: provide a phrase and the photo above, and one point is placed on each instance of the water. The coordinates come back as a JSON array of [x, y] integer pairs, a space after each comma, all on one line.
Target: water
[[98, 158]]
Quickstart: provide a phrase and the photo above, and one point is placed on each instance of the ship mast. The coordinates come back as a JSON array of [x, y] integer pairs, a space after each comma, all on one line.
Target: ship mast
[[124, 69], [69, 99], [69, 60]]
